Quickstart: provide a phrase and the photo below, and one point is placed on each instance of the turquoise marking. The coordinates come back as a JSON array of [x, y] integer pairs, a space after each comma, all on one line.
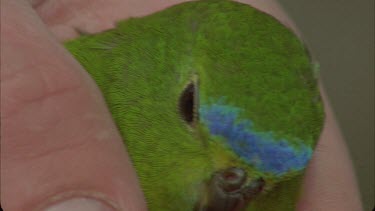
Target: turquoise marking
[[259, 149]]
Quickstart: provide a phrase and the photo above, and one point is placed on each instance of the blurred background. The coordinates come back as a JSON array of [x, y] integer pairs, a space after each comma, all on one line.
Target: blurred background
[[340, 34]]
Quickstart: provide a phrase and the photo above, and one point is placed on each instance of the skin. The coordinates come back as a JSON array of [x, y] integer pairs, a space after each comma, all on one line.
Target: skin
[[41, 96]]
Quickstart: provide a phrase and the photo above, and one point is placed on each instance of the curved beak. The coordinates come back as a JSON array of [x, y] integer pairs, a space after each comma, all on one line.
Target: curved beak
[[230, 190]]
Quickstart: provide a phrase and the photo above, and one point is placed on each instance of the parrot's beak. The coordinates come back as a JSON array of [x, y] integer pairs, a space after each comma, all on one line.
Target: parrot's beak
[[231, 190]]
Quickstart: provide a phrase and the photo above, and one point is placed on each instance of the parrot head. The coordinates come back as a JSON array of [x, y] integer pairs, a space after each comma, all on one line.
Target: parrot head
[[216, 101], [247, 94], [243, 117]]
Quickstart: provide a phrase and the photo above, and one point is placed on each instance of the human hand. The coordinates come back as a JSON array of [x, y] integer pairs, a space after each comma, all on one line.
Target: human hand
[[59, 140]]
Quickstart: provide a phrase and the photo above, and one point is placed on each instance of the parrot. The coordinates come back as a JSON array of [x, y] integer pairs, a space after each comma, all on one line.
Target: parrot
[[217, 103]]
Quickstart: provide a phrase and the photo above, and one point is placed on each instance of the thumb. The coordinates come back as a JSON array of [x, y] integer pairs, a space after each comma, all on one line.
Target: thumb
[[60, 147]]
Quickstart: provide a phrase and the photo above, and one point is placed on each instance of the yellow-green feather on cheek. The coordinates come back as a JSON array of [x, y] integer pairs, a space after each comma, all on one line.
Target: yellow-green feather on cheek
[[203, 87]]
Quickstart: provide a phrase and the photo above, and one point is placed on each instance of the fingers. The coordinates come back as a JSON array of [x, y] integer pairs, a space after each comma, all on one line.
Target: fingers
[[58, 141], [330, 182], [64, 17], [92, 16]]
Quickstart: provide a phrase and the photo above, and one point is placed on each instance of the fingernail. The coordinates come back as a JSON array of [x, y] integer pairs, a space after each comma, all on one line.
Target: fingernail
[[80, 204]]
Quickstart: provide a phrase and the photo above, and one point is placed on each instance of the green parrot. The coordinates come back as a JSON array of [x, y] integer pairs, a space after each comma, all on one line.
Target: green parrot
[[217, 104]]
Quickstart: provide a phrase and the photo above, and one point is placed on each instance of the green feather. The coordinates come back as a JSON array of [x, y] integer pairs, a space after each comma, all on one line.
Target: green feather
[[234, 52]]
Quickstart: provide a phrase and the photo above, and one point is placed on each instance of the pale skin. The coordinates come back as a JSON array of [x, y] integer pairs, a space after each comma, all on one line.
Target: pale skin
[[58, 139]]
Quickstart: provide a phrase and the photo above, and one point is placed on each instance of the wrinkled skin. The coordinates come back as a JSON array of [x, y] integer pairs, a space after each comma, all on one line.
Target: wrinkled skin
[[29, 101]]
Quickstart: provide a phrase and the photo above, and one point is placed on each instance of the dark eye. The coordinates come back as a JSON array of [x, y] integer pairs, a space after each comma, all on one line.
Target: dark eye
[[188, 103]]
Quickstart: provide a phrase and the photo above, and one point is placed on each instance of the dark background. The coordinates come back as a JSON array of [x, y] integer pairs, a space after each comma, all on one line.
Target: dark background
[[340, 34]]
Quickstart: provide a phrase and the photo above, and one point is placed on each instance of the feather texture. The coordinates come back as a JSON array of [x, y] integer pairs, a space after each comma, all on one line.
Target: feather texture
[[229, 49]]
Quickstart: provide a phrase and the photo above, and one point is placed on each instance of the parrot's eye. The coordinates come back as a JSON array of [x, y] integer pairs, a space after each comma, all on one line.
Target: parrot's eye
[[188, 103]]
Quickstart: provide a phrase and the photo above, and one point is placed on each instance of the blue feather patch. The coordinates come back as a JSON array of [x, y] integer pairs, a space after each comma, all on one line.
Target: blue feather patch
[[259, 149]]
